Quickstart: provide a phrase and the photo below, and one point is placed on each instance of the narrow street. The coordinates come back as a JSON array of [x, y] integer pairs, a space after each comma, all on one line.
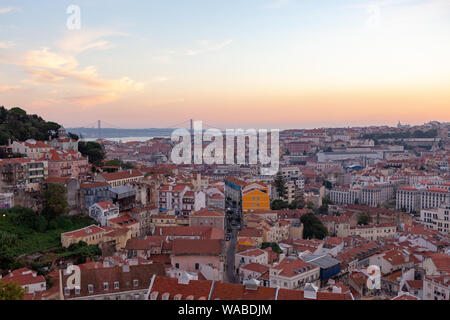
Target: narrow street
[[230, 251]]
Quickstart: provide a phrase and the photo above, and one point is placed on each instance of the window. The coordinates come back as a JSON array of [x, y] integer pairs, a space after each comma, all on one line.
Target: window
[[197, 266], [177, 265], [66, 291], [116, 285], [135, 283], [90, 288], [105, 286], [77, 290]]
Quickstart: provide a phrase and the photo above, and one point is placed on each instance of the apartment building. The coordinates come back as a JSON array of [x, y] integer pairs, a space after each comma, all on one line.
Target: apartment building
[[22, 173], [255, 196], [206, 217], [436, 288], [128, 222], [293, 273], [408, 199], [31, 148], [66, 164], [437, 218], [120, 178], [103, 211], [126, 282], [344, 195], [374, 232], [93, 192], [253, 255], [433, 197], [181, 199], [92, 235], [371, 195]]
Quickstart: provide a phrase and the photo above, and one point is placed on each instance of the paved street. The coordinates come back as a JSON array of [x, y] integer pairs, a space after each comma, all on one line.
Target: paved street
[[230, 251]]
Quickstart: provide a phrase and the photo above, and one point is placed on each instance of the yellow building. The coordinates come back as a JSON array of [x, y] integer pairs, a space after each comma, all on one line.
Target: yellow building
[[255, 196], [92, 235], [119, 230]]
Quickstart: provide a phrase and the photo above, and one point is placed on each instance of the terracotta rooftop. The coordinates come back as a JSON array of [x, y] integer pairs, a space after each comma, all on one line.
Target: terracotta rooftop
[[196, 247]]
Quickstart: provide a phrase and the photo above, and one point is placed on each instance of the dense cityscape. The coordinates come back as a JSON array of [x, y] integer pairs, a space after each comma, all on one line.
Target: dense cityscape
[[347, 205], [224, 158]]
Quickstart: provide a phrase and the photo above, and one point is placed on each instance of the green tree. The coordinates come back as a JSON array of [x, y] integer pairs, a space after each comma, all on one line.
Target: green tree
[[279, 205], [93, 150], [55, 201], [120, 163], [11, 291], [363, 218], [280, 185], [313, 228], [41, 224], [16, 124], [73, 136], [328, 184], [275, 247]]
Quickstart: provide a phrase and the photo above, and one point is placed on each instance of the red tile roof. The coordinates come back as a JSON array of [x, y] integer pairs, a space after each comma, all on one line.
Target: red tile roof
[[195, 288], [126, 174], [289, 267], [196, 247], [23, 277], [231, 291], [207, 213], [106, 205], [84, 232]]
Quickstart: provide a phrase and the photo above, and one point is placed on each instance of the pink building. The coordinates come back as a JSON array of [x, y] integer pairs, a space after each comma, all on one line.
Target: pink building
[[199, 256], [63, 164]]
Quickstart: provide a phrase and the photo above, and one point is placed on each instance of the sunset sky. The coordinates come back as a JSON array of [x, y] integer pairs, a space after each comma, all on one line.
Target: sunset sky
[[231, 63]]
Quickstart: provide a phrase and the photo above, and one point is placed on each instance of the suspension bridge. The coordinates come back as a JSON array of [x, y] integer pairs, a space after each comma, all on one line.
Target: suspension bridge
[[103, 129]]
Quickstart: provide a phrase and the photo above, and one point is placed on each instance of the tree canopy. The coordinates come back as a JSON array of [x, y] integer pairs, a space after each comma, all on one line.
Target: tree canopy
[[313, 228], [55, 199], [275, 247], [120, 163], [363, 219], [280, 185], [16, 124], [93, 150], [11, 291]]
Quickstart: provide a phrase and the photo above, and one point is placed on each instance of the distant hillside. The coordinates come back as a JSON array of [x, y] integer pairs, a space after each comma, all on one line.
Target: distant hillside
[[16, 124]]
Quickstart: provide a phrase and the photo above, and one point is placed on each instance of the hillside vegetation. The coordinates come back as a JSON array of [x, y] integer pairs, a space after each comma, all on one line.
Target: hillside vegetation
[[16, 124]]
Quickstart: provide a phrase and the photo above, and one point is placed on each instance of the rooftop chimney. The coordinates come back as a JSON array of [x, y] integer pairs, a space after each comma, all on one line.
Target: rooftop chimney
[[251, 284], [310, 291]]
